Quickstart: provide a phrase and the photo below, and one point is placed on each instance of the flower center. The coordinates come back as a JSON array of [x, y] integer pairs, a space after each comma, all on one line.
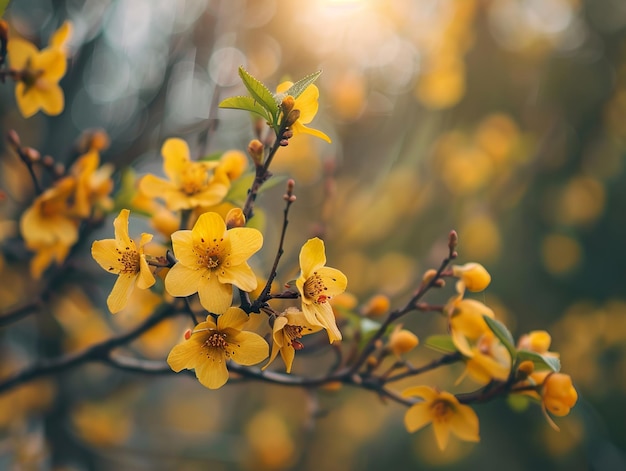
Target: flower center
[[441, 411], [129, 258], [217, 340], [293, 333], [209, 255], [314, 289], [193, 179]]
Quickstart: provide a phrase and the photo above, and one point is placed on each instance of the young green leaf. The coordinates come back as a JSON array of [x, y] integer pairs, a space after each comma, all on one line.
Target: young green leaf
[[248, 104], [503, 334], [441, 343], [297, 88], [260, 93]]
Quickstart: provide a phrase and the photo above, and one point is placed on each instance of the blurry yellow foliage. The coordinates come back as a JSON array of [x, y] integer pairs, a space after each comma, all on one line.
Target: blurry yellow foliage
[[560, 253], [270, 441], [102, 423], [582, 201], [479, 238]]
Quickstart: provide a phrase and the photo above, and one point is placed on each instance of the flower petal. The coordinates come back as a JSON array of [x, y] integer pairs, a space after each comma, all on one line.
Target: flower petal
[[105, 253], [464, 423], [208, 226], [181, 281], [122, 289], [425, 392], [299, 128], [155, 187], [417, 417], [307, 104], [241, 276], [182, 245], [27, 101], [244, 242], [442, 433], [215, 297], [334, 280], [324, 316], [20, 52], [53, 62], [211, 371], [121, 229], [312, 256], [51, 99], [175, 158], [233, 318], [145, 278], [248, 348], [185, 355]]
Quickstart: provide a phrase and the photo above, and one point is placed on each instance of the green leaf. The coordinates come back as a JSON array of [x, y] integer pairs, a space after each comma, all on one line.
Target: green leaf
[[260, 93], [441, 343], [503, 334], [541, 362], [248, 104], [297, 88]]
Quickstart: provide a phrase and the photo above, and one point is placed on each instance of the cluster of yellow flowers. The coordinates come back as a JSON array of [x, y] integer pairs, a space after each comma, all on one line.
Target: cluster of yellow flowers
[[205, 227]]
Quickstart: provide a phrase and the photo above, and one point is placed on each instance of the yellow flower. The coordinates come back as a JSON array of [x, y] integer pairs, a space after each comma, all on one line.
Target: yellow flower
[[190, 185], [537, 341], [38, 73], [122, 257], [317, 284], [473, 275], [47, 227], [93, 186], [446, 414], [486, 357], [211, 259], [211, 344], [290, 326], [307, 104]]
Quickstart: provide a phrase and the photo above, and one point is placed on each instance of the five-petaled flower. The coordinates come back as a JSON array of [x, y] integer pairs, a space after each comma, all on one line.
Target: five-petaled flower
[[122, 257], [307, 104], [190, 184], [288, 328], [211, 259], [38, 73], [317, 284], [212, 343], [444, 411]]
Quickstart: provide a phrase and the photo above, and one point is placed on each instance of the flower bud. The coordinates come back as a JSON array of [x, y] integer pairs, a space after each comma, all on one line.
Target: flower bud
[[473, 275], [535, 341], [525, 369], [292, 117], [377, 306], [429, 275], [235, 218], [559, 394], [287, 104], [255, 151], [402, 341]]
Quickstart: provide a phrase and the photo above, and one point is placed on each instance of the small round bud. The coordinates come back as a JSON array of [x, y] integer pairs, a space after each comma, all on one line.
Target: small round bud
[[473, 275], [14, 138], [453, 240], [59, 169], [32, 154], [187, 334], [535, 341], [402, 341], [292, 117], [377, 306], [526, 368], [559, 394], [48, 161], [429, 275], [235, 218], [372, 361]]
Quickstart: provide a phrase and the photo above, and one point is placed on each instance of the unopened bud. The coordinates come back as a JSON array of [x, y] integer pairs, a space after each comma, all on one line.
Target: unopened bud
[[235, 218], [474, 276], [256, 151], [377, 306], [429, 275], [526, 368], [288, 134], [14, 138], [32, 154], [187, 334], [372, 361], [59, 169], [402, 341], [48, 161], [292, 117], [453, 240], [287, 104]]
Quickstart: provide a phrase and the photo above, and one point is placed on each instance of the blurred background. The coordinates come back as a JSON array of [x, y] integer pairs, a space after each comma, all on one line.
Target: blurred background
[[502, 119]]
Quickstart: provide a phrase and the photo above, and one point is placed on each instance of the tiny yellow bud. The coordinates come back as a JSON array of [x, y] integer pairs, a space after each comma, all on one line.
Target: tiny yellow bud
[[372, 361], [377, 306], [473, 275], [235, 218], [402, 341], [526, 368], [535, 341]]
